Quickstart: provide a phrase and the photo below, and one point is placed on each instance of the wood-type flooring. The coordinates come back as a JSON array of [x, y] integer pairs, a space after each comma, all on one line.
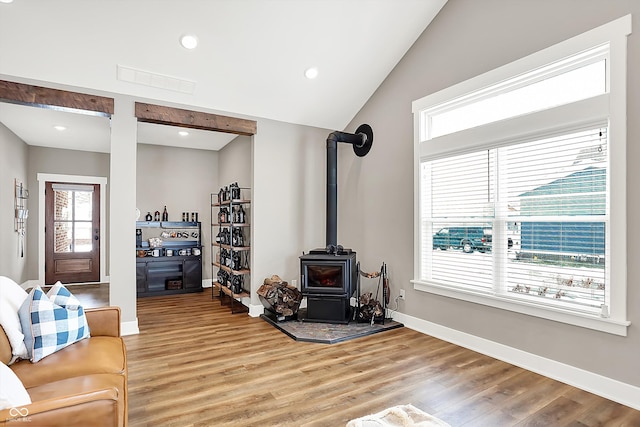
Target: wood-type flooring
[[195, 364]]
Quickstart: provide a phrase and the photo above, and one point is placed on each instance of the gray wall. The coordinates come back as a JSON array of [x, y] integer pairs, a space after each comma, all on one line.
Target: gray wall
[[467, 38], [234, 163], [19, 160], [182, 179], [13, 165], [288, 199], [63, 162]]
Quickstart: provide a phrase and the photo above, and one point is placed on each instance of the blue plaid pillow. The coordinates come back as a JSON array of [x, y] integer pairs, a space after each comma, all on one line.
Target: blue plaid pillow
[[48, 326], [59, 295]]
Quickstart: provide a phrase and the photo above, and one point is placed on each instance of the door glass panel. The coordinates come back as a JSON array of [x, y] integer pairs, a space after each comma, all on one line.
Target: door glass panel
[[83, 205], [82, 237], [63, 201], [73, 214], [62, 243]]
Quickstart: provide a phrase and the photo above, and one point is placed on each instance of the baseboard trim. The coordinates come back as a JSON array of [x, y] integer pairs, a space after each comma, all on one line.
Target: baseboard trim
[[255, 310], [129, 328], [608, 388], [207, 283]]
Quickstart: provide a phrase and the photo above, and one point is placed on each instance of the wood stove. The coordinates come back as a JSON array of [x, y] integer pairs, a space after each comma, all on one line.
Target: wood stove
[[328, 281], [328, 276]]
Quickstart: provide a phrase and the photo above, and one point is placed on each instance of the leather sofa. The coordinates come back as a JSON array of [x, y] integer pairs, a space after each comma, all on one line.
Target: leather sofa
[[84, 384]]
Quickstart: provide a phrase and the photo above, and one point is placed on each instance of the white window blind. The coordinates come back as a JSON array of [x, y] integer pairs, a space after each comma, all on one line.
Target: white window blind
[[458, 207], [556, 190], [547, 201]]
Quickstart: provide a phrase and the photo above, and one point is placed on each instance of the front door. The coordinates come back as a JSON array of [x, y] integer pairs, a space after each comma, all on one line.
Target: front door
[[72, 232]]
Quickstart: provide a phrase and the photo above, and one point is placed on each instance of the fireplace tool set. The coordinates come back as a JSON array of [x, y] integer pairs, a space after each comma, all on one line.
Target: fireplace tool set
[[370, 309]]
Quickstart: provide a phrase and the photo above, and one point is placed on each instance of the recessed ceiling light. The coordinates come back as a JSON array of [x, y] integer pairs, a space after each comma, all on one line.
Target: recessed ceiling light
[[311, 73], [6, 1], [183, 133], [189, 41], [60, 127]]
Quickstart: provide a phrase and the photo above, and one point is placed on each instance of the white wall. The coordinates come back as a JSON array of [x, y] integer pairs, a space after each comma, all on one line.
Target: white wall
[[13, 165], [182, 179], [122, 173], [467, 38]]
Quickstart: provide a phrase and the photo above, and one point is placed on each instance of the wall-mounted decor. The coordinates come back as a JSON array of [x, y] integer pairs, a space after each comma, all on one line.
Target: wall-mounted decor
[[21, 212]]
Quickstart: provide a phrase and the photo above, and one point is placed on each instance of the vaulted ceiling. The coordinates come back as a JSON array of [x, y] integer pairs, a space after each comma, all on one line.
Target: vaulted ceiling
[[250, 59]]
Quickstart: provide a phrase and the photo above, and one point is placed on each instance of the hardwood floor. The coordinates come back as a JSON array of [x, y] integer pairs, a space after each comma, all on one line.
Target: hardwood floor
[[195, 364]]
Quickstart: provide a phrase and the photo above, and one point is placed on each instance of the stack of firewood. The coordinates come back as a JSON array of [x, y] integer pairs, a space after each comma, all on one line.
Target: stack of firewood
[[370, 308], [280, 297]]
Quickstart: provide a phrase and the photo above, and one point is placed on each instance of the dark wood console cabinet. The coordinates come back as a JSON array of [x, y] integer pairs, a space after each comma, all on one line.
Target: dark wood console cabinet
[[165, 275]]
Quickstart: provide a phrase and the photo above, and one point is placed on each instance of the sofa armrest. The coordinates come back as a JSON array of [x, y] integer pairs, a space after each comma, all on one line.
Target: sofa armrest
[[97, 408], [104, 321]]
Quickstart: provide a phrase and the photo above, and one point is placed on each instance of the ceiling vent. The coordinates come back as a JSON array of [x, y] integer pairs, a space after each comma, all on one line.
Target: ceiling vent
[[146, 78]]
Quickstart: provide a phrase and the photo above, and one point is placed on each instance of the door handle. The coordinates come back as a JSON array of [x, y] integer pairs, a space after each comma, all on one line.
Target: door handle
[[96, 238]]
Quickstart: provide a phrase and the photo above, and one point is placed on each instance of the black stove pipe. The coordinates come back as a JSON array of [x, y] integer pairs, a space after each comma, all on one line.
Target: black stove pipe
[[358, 140]]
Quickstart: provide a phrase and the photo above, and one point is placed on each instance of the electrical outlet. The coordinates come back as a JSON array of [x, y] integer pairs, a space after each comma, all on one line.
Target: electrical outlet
[[401, 296], [294, 282]]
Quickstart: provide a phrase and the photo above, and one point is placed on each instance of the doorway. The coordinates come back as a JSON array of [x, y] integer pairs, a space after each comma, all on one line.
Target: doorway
[[99, 201], [72, 232]]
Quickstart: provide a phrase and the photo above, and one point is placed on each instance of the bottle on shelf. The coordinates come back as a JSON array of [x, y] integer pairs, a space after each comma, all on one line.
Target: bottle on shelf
[[235, 191], [237, 237], [165, 214], [241, 215]]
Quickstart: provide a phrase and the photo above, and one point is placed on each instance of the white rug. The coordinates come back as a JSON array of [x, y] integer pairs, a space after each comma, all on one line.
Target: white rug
[[403, 415]]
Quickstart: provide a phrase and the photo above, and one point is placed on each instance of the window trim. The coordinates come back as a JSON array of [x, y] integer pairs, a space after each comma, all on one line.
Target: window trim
[[523, 127]]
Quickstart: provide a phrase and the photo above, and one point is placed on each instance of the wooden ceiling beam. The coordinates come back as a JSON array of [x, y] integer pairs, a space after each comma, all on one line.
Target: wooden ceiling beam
[[38, 96], [158, 114]]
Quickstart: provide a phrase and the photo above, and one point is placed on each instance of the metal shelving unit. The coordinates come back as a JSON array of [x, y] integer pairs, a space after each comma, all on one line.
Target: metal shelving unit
[[230, 241]]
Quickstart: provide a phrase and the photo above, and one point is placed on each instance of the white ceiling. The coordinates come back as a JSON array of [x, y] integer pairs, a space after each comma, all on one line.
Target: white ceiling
[[250, 60]]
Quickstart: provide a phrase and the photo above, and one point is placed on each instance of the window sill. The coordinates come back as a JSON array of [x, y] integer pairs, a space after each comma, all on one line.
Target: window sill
[[608, 325]]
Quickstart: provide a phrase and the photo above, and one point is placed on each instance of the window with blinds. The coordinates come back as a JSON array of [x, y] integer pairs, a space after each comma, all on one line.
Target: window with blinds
[[526, 220], [521, 184]]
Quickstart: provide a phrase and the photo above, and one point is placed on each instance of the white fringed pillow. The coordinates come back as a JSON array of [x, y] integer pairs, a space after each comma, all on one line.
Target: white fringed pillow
[[12, 392], [11, 298]]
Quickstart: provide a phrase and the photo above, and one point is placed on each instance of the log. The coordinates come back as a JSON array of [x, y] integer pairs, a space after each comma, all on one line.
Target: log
[[279, 297]]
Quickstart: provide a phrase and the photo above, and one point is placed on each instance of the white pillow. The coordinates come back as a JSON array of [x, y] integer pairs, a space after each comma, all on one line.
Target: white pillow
[[12, 392], [11, 298]]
